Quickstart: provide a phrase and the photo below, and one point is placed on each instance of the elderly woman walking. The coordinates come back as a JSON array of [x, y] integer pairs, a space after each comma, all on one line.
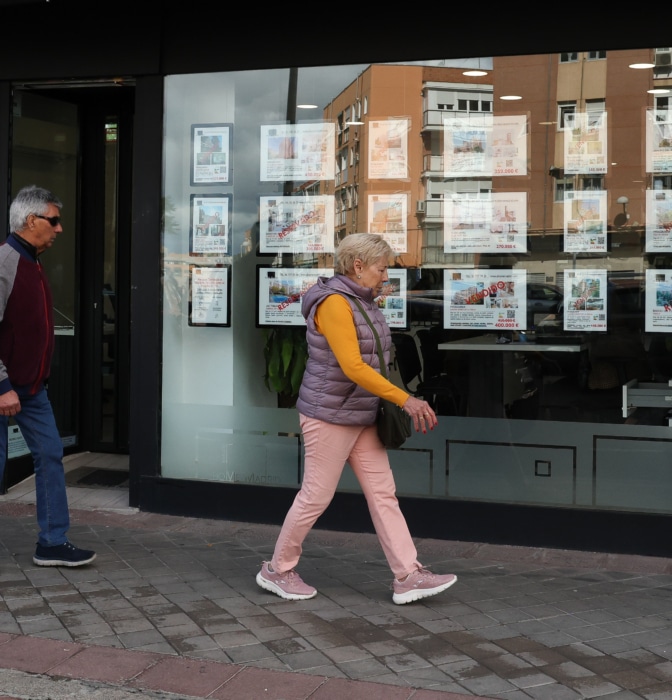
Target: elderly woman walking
[[337, 404]]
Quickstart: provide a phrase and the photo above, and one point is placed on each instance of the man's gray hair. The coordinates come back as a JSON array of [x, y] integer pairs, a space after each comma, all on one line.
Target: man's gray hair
[[30, 200]]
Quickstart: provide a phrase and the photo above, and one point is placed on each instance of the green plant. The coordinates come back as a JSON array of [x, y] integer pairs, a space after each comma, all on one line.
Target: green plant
[[285, 352]]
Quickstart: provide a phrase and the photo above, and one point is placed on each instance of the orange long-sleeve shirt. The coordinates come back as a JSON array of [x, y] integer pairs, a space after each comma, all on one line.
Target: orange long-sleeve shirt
[[335, 321]]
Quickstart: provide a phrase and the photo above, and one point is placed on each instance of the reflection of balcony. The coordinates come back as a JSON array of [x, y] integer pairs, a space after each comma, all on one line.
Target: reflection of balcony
[[432, 119], [434, 211], [432, 166]]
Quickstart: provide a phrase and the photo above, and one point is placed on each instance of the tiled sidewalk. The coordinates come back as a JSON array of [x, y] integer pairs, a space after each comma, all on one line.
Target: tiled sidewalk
[[171, 605]]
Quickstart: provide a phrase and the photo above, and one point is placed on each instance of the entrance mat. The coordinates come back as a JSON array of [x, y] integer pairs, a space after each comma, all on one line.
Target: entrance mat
[[90, 477]]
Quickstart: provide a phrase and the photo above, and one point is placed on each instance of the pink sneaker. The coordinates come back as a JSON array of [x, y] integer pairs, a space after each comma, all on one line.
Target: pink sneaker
[[420, 584], [289, 585]]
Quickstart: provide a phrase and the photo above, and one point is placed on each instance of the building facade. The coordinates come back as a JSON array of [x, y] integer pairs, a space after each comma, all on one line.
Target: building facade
[[524, 191]]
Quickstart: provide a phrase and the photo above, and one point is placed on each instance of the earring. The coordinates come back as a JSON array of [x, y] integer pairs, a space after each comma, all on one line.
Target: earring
[[359, 277]]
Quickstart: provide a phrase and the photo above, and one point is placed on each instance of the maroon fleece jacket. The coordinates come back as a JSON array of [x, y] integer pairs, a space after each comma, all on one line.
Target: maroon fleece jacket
[[26, 319]]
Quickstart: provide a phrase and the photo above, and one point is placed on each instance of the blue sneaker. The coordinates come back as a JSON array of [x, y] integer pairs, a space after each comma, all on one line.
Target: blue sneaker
[[62, 555]]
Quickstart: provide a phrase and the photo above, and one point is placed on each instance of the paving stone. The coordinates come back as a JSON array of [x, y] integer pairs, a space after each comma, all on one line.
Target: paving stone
[[513, 628]]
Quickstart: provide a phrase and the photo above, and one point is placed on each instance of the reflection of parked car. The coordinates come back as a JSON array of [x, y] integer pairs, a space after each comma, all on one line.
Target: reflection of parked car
[[625, 308], [542, 299], [426, 305]]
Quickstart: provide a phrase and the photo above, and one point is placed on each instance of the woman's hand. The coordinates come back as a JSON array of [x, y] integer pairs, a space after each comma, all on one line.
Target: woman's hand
[[422, 414]]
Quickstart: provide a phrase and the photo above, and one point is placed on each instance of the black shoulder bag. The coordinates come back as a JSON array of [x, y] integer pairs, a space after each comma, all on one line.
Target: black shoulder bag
[[392, 422]]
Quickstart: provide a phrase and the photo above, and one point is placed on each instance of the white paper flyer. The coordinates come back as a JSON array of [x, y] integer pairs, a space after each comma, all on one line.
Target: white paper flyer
[[388, 149], [296, 224], [586, 143], [585, 303], [280, 290], [485, 223], [485, 145], [210, 224], [211, 154], [658, 301], [485, 299], [297, 152], [392, 300], [209, 295], [388, 216], [658, 141], [585, 229], [658, 221]]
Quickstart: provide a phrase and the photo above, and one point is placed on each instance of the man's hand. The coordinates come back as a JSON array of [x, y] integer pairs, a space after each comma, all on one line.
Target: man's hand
[[9, 404]]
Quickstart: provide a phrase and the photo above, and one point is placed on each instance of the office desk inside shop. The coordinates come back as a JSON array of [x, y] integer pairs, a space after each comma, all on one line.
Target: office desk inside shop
[[494, 382]]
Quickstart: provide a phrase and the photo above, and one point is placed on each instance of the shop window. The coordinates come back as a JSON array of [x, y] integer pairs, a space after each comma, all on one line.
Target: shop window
[[591, 183], [510, 202], [565, 109], [563, 185], [662, 104]]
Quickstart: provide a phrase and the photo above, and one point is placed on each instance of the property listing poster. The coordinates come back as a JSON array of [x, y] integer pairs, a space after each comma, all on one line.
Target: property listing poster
[[658, 221], [586, 143], [658, 141], [490, 299], [585, 303], [388, 216], [210, 224], [209, 296], [211, 154], [280, 291], [392, 300], [658, 301], [585, 229], [488, 223], [485, 145], [296, 224], [297, 152], [509, 145], [388, 149]]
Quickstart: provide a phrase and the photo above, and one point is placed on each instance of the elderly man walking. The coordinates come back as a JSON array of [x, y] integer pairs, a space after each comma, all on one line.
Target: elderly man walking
[[26, 349]]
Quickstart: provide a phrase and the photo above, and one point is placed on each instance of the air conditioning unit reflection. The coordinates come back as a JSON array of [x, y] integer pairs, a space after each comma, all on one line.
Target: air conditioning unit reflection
[[663, 57], [420, 206]]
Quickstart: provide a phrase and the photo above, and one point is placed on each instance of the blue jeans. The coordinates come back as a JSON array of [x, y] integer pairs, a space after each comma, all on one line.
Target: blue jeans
[[38, 427]]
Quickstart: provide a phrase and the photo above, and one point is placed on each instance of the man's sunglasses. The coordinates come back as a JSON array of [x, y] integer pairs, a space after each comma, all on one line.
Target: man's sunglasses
[[53, 220]]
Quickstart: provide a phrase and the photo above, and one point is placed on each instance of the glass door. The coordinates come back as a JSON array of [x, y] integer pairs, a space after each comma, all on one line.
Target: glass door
[[77, 143], [106, 142], [45, 152]]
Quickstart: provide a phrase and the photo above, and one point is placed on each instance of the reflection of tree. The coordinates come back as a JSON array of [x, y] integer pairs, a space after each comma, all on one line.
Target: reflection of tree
[[173, 274], [168, 220]]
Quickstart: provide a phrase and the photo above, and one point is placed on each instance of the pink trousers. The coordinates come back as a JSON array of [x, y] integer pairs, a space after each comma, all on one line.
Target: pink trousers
[[327, 448]]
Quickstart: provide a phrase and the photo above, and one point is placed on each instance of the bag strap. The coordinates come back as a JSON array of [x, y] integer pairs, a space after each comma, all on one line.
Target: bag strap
[[383, 368]]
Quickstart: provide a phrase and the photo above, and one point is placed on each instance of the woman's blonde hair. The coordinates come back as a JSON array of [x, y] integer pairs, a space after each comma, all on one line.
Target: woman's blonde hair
[[367, 247]]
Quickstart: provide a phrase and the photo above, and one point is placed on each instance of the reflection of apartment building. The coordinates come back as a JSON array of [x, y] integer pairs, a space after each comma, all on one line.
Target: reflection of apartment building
[[418, 97], [585, 107], [591, 105]]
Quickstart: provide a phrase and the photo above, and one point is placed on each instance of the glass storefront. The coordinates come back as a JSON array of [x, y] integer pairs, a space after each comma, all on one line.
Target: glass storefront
[[528, 200]]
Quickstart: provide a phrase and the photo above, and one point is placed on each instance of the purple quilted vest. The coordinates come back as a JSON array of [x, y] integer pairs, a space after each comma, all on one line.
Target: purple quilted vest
[[326, 393]]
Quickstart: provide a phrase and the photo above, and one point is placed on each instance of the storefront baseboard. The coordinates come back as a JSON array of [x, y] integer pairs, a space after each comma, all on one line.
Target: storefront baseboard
[[502, 524]]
